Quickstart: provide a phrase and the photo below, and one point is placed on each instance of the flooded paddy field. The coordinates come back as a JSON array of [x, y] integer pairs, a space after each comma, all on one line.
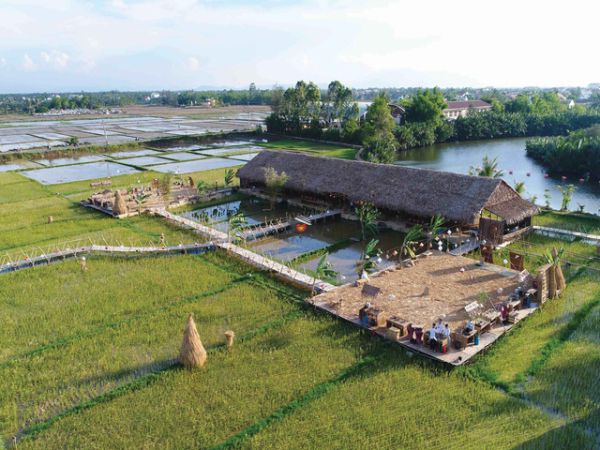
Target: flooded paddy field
[[79, 172]]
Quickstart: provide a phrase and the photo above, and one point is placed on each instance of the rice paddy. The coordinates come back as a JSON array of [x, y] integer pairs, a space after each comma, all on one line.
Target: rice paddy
[[88, 357]]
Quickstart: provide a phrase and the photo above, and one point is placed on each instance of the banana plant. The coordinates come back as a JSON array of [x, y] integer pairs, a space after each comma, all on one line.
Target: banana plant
[[323, 270]]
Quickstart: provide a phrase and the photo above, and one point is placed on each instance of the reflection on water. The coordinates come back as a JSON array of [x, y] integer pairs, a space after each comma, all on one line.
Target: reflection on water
[[255, 210], [344, 261], [460, 156], [292, 244]]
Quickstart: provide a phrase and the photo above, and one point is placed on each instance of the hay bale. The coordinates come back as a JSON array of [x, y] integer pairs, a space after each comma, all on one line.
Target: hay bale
[[229, 338], [192, 353], [119, 206]]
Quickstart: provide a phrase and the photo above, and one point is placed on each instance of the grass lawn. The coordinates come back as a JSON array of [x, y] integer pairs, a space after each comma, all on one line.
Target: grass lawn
[[585, 223]]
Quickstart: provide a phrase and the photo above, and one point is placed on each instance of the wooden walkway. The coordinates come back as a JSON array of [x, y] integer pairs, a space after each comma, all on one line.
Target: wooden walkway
[[202, 230], [108, 250], [284, 272], [265, 230], [591, 238], [465, 248]]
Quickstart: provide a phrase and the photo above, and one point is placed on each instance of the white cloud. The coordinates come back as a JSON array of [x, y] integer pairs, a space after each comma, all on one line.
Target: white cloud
[[55, 59], [192, 63], [3, 62], [28, 64], [141, 43]]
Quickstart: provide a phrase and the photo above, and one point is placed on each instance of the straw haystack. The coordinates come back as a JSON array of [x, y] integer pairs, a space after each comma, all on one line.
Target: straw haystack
[[229, 338], [192, 353], [119, 206]]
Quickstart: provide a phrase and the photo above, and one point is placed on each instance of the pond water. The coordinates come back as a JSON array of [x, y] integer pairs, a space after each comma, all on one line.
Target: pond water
[[196, 166], [8, 167], [67, 174], [460, 156], [292, 244], [255, 210], [344, 260]]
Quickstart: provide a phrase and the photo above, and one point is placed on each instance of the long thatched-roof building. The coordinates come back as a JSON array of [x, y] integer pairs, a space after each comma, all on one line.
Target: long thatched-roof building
[[395, 190]]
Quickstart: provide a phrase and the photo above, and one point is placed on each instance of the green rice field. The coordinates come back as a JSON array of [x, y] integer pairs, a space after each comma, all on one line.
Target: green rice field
[[89, 358]]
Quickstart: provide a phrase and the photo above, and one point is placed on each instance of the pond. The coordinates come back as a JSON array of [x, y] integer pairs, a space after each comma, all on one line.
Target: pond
[[344, 260], [460, 156], [291, 244], [255, 210]]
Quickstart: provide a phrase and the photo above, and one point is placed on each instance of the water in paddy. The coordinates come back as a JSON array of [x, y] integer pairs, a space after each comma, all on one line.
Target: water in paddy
[[458, 157], [67, 161], [344, 260], [196, 166], [291, 244], [80, 172], [255, 210]]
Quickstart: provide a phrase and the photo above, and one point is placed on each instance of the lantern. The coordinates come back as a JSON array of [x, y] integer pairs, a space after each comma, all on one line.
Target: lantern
[[301, 227]]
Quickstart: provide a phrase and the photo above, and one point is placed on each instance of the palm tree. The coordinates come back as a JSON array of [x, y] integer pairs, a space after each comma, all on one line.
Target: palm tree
[[489, 168], [228, 179], [369, 257], [520, 187], [411, 237], [274, 182], [436, 224], [236, 223], [323, 270], [567, 195], [367, 215]]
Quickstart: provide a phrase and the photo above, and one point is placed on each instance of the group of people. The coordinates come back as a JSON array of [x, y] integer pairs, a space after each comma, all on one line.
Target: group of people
[[437, 332]]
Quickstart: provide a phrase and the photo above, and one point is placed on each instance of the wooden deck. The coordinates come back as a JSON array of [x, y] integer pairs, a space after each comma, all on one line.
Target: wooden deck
[[453, 357]]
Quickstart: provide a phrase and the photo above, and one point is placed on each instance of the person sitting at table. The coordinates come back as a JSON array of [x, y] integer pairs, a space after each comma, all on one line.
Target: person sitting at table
[[470, 326], [432, 338], [439, 327]]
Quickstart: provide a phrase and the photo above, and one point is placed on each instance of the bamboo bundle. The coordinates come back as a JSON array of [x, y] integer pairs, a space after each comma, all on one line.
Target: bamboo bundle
[[192, 353], [551, 278]]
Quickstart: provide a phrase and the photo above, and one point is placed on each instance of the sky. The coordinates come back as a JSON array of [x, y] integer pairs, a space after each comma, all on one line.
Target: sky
[[74, 45]]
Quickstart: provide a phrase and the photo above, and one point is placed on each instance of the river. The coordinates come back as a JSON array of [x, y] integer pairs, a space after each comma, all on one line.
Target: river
[[458, 157]]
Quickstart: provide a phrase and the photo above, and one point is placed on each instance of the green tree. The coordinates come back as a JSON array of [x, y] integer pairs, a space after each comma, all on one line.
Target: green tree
[[378, 136], [520, 187], [567, 195], [488, 169], [201, 187], [339, 98], [274, 183], [228, 178], [235, 230], [436, 224], [425, 106], [367, 216], [323, 271], [411, 237], [547, 198], [369, 258]]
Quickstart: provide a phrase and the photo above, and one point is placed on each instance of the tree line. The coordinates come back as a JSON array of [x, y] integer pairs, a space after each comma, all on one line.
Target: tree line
[[577, 154], [303, 110]]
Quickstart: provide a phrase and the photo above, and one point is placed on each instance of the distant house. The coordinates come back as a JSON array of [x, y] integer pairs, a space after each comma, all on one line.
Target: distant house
[[463, 108], [397, 111]]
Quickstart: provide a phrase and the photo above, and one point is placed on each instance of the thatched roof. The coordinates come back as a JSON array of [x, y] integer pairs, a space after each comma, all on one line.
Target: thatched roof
[[416, 192]]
